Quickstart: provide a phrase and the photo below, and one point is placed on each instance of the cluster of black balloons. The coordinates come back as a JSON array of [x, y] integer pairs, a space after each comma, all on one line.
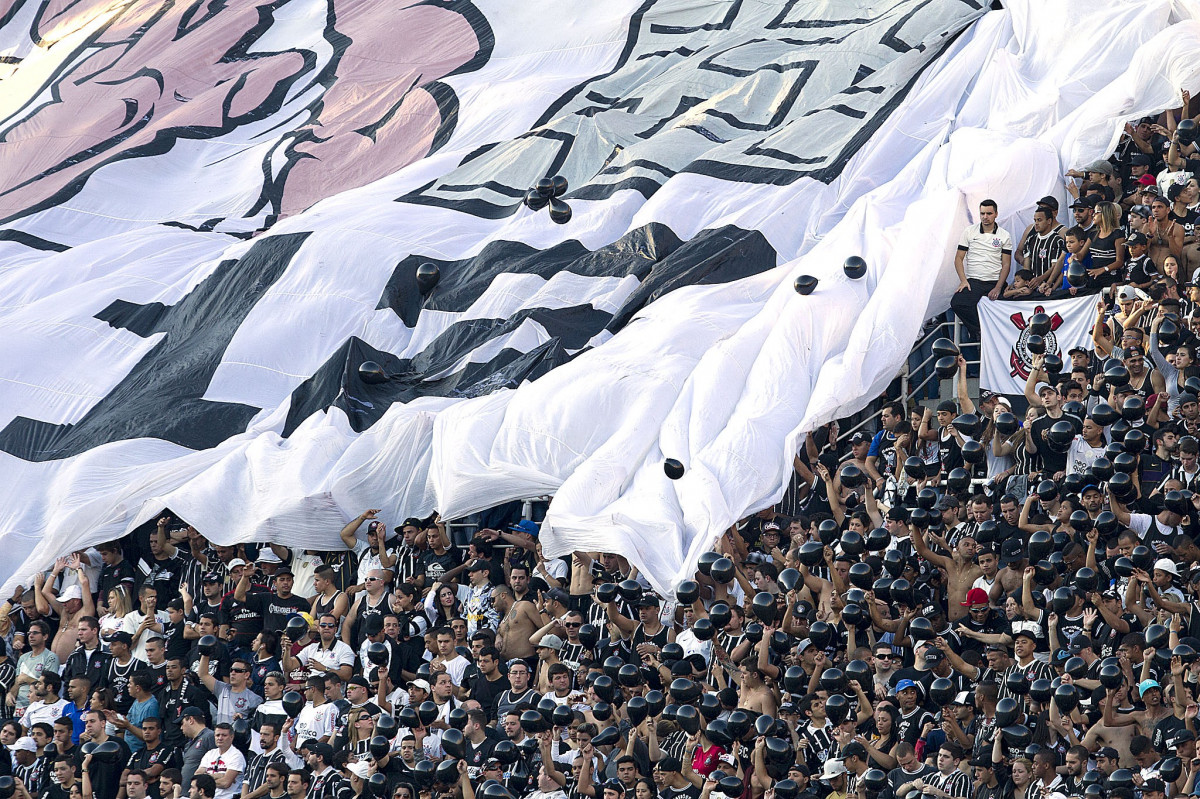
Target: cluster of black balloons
[[546, 192], [854, 267]]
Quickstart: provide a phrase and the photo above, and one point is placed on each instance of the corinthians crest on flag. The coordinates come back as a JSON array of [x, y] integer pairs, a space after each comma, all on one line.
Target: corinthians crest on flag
[[1004, 326], [1021, 358]]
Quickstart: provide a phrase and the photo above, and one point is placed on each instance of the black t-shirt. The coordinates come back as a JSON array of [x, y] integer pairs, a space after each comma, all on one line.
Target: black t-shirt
[[145, 758], [434, 566], [689, 792], [1164, 730], [112, 576], [912, 723], [1052, 462], [164, 575], [487, 693], [243, 618], [949, 450], [276, 610], [1104, 253], [117, 681], [158, 674], [106, 778]]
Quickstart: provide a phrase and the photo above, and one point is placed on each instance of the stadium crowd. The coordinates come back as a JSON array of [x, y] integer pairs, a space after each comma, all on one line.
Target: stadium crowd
[[993, 597]]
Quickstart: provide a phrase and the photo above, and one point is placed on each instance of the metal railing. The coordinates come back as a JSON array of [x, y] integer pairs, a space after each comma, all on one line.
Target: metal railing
[[922, 370]]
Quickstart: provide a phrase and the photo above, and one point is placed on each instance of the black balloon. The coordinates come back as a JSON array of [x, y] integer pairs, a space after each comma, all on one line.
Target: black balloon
[[372, 373], [946, 366], [805, 284], [673, 468], [943, 347], [560, 212], [428, 276], [535, 201], [1077, 276], [293, 703], [854, 267], [454, 743]]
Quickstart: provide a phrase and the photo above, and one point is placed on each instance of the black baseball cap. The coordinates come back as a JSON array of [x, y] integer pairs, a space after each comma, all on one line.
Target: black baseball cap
[[1011, 551]]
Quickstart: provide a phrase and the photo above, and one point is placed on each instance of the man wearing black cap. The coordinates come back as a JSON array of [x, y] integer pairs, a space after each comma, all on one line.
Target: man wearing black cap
[[671, 783], [273, 607], [200, 741], [121, 669], [1042, 247], [326, 780], [648, 633], [1026, 638], [1084, 209]]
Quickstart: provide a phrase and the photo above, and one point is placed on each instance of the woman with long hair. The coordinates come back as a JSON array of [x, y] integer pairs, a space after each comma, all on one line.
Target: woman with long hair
[[881, 743], [355, 739], [1170, 268], [119, 604], [1021, 778], [442, 605], [1108, 247], [645, 789]]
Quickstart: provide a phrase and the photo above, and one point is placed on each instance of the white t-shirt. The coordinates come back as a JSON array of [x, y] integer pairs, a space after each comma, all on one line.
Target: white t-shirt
[[983, 259], [1082, 455], [339, 655], [133, 620], [304, 571], [48, 712], [368, 560], [456, 668], [316, 722], [231, 760]]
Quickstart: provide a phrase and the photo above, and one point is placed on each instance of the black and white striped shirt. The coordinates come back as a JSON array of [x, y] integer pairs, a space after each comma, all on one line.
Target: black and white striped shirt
[[256, 773], [1190, 481], [956, 784], [407, 563]]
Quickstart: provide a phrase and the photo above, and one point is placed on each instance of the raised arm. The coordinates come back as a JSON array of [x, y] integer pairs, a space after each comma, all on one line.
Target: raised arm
[[349, 532]]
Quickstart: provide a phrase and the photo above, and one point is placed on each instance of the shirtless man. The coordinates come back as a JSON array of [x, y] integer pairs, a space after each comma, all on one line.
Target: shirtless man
[[1155, 711], [75, 603], [754, 694], [519, 620], [960, 567], [1119, 738], [1012, 569]]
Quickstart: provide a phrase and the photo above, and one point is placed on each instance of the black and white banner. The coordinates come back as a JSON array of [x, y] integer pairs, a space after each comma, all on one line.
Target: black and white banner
[[211, 215], [1005, 359]]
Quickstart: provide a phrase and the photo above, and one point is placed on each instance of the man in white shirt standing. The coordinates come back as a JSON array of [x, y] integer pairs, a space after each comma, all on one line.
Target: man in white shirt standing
[[225, 764], [982, 262]]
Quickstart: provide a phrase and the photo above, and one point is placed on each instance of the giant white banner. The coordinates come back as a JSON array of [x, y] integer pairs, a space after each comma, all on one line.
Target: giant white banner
[[211, 217]]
